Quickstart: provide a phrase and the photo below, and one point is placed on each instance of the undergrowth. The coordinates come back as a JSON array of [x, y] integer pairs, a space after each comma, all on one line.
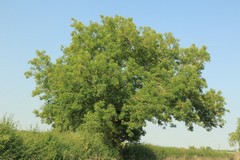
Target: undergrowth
[[33, 144]]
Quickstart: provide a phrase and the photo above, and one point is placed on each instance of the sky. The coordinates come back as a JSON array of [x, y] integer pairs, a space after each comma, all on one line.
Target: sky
[[26, 26]]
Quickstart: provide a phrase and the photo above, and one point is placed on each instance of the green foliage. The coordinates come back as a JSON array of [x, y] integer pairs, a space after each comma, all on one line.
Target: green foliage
[[140, 152], [64, 146], [42, 145], [151, 152], [11, 144], [113, 77], [53, 145], [234, 137], [95, 146]]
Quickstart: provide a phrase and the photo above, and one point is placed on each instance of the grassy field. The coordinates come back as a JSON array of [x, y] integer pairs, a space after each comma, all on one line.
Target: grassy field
[[148, 151]]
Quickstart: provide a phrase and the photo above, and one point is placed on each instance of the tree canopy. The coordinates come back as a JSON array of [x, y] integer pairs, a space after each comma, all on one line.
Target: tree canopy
[[234, 137], [115, 76]]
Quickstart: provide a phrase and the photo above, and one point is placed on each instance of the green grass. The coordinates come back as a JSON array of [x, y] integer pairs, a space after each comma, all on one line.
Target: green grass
[[152, 152]]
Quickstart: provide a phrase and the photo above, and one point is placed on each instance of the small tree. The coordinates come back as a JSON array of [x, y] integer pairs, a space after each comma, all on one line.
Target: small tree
[[113, 78], [234, 137]]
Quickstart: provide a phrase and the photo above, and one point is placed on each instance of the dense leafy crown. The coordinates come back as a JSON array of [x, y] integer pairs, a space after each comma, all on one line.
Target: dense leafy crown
[[114, 77]]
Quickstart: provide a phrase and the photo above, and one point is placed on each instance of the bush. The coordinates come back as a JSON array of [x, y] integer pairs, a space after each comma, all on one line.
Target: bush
[[65, 146], [11, 144], [85, 144], [138, 151], [41, 145], [91, 146]]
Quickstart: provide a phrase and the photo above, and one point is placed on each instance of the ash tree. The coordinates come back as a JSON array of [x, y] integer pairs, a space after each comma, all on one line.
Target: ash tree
[[114, 77]]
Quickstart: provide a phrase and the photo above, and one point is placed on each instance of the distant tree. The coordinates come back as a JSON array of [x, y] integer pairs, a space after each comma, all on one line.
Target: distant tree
[[234, 137], [114, 77]]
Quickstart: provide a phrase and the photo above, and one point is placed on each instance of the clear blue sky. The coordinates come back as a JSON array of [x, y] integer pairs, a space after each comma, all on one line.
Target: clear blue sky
[[29, 25]]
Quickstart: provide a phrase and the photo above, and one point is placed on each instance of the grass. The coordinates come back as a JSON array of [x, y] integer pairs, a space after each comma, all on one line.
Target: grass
[[152, 152]]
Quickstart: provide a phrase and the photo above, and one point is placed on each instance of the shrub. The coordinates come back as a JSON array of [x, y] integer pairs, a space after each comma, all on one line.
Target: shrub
[[65, 145], [138, 151], [41, 145], [11, 145]]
